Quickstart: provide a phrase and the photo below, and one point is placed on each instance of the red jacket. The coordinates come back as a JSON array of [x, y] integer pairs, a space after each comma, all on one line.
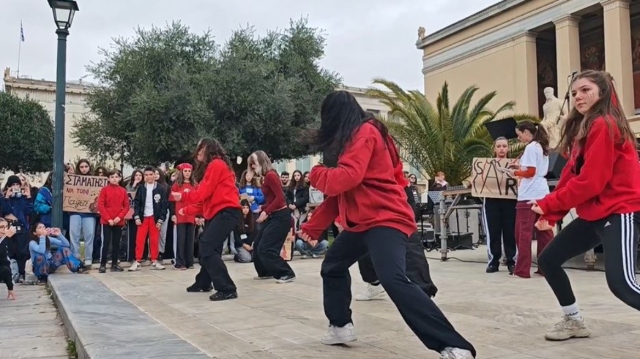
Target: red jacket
[[113, 201], [187, 217], [217, 190], [608, 182], [365, 190]]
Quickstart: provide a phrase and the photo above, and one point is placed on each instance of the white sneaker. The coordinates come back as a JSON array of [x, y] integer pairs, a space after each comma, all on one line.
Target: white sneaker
[[304, 256], [568, 328], [135, 266], [157, 266], [455, 353], [336, 335], [372, 292]]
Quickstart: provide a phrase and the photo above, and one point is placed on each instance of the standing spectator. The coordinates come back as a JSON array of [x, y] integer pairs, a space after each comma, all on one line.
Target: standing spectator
[[44, 199], [184, 223], [113, 204], [82, 224]]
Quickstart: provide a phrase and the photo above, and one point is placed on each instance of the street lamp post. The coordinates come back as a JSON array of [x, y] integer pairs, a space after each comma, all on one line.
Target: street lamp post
[[63, 12]]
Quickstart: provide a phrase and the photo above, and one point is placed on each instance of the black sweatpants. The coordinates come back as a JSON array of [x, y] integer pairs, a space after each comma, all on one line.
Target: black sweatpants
[[132, 231], [500, 225], [388, 250], [417, 267], [97, 241], [19, 250], [185, 236], [110, 236], [268, 244], [618, 234], [212, 268]]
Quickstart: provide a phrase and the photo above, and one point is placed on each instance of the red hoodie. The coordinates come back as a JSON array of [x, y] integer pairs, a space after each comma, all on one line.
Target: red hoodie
[[365, 190], [217, 190], [187, 218], [113, 201], [608, 181]]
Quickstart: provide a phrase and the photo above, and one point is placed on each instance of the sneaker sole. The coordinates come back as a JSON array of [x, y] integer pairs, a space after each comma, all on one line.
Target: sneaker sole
[[578, 335], [339, 342], [285, 281], [380, 296]]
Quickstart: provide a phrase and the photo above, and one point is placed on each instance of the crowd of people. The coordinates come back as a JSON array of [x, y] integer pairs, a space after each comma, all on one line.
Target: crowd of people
[[368, 201]]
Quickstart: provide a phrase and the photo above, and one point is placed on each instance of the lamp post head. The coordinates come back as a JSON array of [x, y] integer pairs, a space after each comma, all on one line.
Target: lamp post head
[[63, 11]]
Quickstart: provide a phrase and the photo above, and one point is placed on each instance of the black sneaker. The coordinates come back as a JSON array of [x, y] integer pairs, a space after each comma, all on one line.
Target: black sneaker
[[102, 269], [286, 279], [96, 261], [511, 268], [195, 288], [116, 268], [492, 268], [218, 296]]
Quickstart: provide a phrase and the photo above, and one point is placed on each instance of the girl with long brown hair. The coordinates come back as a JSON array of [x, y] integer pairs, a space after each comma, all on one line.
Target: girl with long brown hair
[[601, 180]]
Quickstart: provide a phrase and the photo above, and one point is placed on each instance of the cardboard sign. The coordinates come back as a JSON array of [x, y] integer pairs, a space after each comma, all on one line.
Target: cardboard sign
[[488, 180], [81, 193], [287, 248]]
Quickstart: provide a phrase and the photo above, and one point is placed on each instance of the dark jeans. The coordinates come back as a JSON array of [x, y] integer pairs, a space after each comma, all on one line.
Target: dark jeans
[[98, 237], [618, 234], [185, 235], [212, 268], [417, 267], [500, 223], [388, 250], [268, 244], [19, 250], [110, 235]]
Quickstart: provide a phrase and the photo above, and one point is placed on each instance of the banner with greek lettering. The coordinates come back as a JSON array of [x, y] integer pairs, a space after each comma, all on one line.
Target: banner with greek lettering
[[81, 193], [489, 181]]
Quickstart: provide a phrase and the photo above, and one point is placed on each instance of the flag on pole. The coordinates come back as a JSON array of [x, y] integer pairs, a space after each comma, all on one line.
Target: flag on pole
[[21, 32]]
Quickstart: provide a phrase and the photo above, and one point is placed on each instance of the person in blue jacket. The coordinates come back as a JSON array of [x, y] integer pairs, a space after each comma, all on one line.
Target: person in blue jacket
[[43, 203], [45, 260], [249, 187]]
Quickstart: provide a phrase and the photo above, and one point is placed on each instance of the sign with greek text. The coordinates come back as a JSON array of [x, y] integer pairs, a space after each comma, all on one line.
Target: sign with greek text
[[489, 181], [81, 193]]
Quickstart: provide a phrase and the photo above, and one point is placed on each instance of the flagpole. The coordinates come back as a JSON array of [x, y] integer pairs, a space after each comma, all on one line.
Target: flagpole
[[20, 47]]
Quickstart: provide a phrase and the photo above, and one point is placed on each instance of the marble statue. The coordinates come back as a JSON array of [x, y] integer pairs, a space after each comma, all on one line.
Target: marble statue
[[553, 111], [421, 33]]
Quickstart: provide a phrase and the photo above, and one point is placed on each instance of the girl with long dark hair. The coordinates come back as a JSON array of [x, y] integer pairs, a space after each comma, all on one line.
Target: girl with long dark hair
[[297, 196], [44, 261], [82, 224], [601, 180], [185, 224], [276, 217], [364, 188], [135, 180], [217, 195], [44, 201]]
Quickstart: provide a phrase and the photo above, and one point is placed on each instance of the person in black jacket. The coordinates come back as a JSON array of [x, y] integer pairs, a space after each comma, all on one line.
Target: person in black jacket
[[150, 207], [6, 233], [297, 195], [244, 234]]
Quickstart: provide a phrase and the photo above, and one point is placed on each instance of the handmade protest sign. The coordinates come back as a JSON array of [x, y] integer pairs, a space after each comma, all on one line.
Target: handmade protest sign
[[489, 180], [81, 193]]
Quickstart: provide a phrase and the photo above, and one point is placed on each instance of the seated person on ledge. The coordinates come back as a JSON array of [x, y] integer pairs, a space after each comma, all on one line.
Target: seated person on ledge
[[306, 249], [44, 261]]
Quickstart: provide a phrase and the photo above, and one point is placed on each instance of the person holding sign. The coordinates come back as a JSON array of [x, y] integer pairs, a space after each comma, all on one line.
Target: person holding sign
[[601, 180], [218, 195], [364, 190], [113, 205], [500, 217], [534, 166]]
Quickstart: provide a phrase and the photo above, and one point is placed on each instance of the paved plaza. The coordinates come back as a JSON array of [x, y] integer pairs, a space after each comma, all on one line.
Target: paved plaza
[[503, 316]]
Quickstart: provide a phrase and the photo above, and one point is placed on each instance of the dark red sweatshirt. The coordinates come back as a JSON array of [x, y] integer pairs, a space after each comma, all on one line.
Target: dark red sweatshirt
[[217, 190], [608, 182], [365, 190], [273, 194], [113, 201], [187, 218]]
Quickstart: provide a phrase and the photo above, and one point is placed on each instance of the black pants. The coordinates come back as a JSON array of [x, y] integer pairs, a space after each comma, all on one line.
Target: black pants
[[212, 268], [97, 241], [417, 267], [268, 244], [19, 250], [132, 231], [110, 236], [500, 223], [618, 234], [185, 235], [388, 250]]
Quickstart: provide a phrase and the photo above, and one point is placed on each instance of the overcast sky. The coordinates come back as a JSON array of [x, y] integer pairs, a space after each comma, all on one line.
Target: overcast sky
[[365, 38]]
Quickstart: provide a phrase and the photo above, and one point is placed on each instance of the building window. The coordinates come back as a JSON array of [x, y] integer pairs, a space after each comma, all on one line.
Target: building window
[[304, 165]]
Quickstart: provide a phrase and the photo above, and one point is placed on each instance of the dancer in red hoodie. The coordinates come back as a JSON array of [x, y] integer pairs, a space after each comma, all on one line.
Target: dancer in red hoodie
[[219, 197], [601, 180], [185, 223], [364, 191], [113, 205]]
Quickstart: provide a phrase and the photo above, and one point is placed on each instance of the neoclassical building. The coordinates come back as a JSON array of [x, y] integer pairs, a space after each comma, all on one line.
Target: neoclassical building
[[520, 47]]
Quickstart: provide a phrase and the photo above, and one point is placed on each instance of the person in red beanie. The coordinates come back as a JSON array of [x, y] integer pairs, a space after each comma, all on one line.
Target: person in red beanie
[[601, 180], [185, 223], [362, 180], [113, 205]]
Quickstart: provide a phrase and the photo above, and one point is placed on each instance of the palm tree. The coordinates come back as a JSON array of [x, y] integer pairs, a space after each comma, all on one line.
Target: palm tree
[[441, 138]]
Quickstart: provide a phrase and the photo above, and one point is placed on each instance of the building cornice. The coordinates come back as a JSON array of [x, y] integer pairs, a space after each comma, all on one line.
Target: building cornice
[[612, 4]]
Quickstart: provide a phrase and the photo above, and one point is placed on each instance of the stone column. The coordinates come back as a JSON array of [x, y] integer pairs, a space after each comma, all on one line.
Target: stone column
[[617, 50], [526, 73], [567, 50]]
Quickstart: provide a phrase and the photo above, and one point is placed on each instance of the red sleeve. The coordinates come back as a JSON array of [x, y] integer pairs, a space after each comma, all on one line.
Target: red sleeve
[[594, 175], [208, 185], [174, 188], [193, 210], [323, 216], [125, 204], [352, 166], [272, 183], [528, 173], [102, 201]]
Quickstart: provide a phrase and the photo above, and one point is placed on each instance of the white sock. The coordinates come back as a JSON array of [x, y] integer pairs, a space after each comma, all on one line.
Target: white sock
[[572, 311]]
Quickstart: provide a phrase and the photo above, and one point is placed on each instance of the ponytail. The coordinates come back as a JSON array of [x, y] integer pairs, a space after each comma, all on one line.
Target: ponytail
[[539, 133]]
